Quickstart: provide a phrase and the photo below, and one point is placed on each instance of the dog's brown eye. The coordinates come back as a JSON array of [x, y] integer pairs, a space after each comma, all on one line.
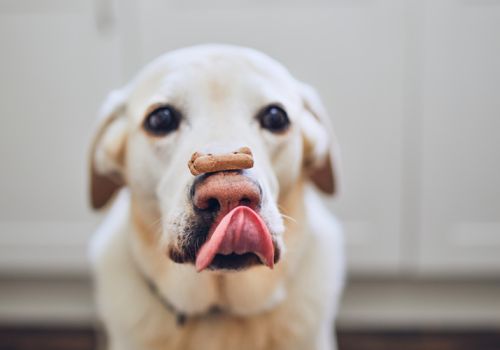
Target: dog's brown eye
[[274, 119], [162, 121]]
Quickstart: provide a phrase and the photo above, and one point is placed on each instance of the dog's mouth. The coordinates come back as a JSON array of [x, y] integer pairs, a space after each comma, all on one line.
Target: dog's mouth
[[238, 241], [234, 261], [241, 239]]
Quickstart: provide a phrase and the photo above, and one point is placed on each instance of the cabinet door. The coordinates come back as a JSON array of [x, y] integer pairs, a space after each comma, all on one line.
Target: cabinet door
[[353, 53], [460, 201], [56, 67]]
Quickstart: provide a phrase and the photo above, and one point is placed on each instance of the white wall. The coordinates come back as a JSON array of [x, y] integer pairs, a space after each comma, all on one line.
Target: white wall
[[412, 86]]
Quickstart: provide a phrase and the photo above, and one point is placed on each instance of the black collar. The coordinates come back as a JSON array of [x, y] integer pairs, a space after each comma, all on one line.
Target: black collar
[[180, 316]]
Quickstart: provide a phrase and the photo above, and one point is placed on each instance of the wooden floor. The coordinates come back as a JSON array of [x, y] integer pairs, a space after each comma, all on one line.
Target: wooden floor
[[86, 339]]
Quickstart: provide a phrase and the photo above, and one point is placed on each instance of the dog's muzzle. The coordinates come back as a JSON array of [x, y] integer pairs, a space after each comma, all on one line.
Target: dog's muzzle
[[229, 232], [237, 232]]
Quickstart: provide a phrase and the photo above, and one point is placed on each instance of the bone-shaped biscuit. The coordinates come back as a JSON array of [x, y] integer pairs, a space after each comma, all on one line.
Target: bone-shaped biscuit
[[201, 163]]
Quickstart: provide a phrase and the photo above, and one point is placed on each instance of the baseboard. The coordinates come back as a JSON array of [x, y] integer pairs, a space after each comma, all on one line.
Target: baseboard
[[47, 301], [367, 304], [421, 304]]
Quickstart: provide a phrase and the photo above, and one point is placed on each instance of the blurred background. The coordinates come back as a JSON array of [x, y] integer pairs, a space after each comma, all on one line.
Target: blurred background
[[413, 88]]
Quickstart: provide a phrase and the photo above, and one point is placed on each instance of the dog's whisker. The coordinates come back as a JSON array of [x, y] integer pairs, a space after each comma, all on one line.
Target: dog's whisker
[[284, 216], [156, 226]]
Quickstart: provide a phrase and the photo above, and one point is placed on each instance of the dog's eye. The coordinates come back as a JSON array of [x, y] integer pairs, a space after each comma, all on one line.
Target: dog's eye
[[162, 121], [274, 119]]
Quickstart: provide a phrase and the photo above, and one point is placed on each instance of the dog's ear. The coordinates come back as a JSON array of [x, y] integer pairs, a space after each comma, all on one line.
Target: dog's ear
[[107, 151], [321, 158]]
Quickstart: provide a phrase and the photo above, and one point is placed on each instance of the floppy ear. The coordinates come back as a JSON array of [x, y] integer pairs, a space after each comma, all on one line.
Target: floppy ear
[[107, 151], [321, 159]]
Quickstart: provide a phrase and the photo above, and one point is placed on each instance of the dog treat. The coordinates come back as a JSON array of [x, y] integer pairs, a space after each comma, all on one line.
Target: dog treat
[[201, 163]]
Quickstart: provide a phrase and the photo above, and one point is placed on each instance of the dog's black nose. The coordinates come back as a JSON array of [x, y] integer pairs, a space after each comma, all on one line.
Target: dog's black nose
[[224, 191]]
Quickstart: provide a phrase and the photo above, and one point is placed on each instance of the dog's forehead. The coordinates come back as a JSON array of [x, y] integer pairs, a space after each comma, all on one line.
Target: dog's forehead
[[212, 71], [210, 58]]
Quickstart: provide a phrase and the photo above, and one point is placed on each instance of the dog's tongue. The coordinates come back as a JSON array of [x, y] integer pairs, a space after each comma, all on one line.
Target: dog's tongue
[[241, 231]]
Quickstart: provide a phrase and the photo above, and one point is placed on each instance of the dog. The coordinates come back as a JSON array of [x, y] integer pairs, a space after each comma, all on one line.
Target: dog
[[241, 255]]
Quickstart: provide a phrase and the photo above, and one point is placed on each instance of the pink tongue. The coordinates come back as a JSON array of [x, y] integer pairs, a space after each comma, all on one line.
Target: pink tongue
[[240, 231]]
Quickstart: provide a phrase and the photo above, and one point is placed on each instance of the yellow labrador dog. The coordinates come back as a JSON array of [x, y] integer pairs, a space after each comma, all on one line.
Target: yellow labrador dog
[[218, 238]]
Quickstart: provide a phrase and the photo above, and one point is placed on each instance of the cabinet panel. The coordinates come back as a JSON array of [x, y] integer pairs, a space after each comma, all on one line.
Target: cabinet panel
[[460, 230], [353, 52], [56, 67]]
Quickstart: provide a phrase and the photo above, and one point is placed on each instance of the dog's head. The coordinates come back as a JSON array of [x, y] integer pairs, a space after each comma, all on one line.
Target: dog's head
[[216, 102]]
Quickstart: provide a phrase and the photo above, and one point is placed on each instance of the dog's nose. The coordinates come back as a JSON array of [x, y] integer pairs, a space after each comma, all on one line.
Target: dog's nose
[[224, 191]]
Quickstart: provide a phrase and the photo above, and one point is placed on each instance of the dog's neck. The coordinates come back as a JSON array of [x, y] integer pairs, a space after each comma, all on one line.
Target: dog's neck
[[186, 293], [181, 317]]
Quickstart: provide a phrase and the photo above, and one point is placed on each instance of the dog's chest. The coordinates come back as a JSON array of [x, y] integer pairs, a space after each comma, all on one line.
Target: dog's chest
[[270, 331]]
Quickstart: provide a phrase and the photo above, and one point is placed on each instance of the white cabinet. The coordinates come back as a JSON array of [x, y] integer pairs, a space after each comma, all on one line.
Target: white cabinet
[[55, 66], [413, 88], [460, 160]]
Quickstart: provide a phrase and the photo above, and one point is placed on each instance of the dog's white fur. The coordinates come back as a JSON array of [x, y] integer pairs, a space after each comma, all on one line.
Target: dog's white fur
[[220, 88]]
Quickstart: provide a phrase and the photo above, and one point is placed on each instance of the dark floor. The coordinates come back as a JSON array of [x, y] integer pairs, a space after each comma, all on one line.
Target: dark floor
[[86, 339]]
